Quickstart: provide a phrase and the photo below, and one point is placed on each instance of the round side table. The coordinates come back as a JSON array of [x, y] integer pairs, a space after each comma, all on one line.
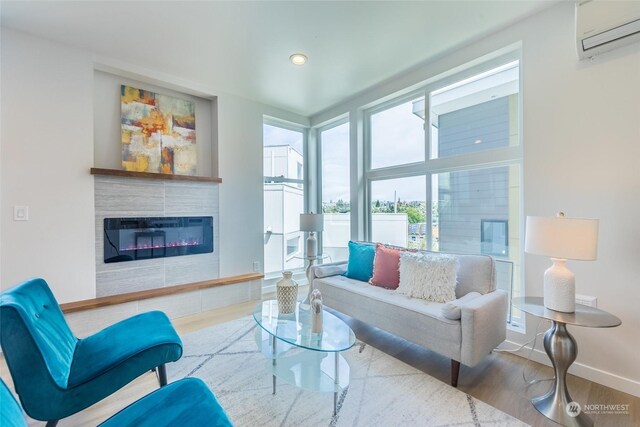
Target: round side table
[[311, 260], [562, 349]]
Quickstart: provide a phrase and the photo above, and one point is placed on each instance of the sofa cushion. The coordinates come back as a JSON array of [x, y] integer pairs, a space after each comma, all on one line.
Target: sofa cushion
[[476, 273], [386, 267], [428, 276], [360, 265], [452, 310], [413, 319]]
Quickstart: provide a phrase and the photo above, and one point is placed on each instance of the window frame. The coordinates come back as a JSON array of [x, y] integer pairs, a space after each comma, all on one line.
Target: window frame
[[272, 277], [368, 144], [496, 157], [339, 121]]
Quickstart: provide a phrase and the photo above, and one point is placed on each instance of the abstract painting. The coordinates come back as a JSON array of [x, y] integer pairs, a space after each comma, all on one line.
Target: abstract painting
[[158, 132]]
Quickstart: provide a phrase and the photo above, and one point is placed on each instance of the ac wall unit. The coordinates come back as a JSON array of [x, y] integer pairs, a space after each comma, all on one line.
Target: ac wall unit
[[605, 25]]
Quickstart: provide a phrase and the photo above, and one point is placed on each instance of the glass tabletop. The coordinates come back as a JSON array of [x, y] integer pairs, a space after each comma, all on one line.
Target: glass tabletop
[[586, 316], [295, 328]]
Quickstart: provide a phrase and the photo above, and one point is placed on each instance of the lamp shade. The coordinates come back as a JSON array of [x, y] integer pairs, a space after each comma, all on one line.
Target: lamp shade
[[560, 237], [311, 222]]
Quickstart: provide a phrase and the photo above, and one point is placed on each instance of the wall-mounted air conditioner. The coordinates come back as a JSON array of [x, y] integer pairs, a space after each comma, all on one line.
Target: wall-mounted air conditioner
[[606, 25]]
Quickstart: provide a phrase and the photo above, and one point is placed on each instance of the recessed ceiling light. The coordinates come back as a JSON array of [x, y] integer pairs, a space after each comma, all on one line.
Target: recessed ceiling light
[[298, 58]]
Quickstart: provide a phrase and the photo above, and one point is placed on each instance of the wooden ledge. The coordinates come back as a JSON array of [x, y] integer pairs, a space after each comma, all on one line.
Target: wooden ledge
[[88, 304], [150, 175]]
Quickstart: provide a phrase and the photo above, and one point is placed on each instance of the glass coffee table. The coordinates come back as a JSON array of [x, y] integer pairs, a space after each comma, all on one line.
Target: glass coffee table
[[299, 357]]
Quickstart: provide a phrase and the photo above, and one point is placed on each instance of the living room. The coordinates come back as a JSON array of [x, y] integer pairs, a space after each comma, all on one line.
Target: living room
[[573, 129]]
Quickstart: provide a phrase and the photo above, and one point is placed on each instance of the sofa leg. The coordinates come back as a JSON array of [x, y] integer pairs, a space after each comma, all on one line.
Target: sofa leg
[[52, 423], [162, 375], [455, 371]]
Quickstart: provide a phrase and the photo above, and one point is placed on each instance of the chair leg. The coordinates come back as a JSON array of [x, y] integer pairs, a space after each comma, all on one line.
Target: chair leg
[[52, 423], [162, 375], [455, 371]]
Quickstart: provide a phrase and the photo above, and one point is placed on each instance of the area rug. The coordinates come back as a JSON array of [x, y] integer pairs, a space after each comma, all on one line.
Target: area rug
[[383, 391]]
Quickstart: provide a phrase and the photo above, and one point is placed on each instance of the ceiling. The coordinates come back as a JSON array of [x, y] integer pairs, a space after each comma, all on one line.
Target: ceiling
[[243, 48]]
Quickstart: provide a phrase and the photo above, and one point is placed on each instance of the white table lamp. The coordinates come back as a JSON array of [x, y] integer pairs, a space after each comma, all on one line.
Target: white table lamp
[[312, 223], [561, 238]]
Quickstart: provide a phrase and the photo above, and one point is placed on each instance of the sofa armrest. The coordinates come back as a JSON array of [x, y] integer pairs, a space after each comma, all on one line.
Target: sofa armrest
[[484, 326], [341, 265]]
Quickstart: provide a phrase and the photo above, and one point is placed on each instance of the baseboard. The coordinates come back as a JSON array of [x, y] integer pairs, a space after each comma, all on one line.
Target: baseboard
[[590, 373]]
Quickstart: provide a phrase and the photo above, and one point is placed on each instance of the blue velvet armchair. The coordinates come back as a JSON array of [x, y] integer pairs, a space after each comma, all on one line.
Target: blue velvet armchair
[[57, 374], [187, 402]]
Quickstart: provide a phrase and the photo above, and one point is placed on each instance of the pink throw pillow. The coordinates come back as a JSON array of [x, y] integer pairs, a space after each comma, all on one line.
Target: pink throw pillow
[[386, 267]]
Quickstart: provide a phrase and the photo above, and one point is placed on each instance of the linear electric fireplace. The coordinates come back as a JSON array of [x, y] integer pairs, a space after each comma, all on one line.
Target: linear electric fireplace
[[130, 239]]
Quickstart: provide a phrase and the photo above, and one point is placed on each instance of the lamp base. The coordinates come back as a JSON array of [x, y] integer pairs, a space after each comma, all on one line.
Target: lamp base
[[312, 245], [559, 287]]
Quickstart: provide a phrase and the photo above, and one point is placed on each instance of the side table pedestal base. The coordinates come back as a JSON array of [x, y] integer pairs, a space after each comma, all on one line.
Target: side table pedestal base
[[562, 350], [552, 408]]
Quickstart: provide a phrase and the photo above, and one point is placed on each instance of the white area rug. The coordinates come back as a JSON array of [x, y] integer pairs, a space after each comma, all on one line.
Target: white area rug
[[383, 390]]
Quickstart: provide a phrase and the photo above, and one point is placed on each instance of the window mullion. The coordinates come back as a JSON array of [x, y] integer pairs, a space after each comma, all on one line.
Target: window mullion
[[429, 212]]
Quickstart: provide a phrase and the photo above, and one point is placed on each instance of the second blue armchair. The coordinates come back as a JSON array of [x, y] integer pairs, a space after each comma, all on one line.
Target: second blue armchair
[[57, 374]]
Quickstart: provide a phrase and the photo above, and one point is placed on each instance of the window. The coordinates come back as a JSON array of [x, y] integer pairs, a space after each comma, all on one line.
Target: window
[[398, 212], [397, 135], [283, 165], [476, 114], [336, 194], [293, 246], [455, 188], [473, 210], [494, 237]]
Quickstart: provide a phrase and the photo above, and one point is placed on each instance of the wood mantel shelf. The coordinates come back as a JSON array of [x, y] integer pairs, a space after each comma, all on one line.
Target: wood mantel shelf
[[71, 307], [151, 175]]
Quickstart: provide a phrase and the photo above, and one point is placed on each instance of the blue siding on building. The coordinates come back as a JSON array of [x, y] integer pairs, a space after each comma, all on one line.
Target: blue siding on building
[[465, 198], [488, 122]]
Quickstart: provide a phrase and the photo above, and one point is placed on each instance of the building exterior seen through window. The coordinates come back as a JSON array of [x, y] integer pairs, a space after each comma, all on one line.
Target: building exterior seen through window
[[283, 165]]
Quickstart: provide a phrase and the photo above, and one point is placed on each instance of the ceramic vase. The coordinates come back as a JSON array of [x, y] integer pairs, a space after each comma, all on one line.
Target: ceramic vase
[[287, 293]]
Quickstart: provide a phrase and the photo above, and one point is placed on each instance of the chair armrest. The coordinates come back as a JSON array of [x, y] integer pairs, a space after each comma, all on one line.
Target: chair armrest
[[313, 275], [484, 326]]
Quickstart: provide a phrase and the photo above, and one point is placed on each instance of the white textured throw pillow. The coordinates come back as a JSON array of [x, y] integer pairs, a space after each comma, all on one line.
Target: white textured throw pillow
[[428, 276]]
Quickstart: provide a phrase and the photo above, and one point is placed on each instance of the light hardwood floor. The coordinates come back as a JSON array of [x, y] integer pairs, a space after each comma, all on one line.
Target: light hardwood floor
[[497, 380]]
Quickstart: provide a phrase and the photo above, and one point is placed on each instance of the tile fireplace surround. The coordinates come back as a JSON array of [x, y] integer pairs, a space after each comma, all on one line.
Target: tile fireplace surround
[[126, 197]]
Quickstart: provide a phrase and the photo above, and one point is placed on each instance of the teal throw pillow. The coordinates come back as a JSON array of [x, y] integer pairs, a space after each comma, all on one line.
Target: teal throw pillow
[[360, 266]]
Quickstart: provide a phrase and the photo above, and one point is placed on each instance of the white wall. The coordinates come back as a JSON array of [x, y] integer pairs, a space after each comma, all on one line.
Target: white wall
[[241, 192], [581, 141], [47, 150], [581, 151]]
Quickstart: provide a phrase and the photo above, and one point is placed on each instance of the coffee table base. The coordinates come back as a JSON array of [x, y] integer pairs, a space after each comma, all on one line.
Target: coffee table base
[[306, 369]]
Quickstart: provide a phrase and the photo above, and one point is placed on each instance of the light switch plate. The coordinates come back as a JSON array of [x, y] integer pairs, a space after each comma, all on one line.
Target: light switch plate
[[21, 213]]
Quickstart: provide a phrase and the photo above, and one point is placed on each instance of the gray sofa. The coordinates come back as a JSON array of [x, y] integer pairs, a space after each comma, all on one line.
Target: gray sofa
[[481, 327]]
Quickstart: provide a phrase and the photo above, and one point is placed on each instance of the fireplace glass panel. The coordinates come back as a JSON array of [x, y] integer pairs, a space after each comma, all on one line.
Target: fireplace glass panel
[[130, 239]]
